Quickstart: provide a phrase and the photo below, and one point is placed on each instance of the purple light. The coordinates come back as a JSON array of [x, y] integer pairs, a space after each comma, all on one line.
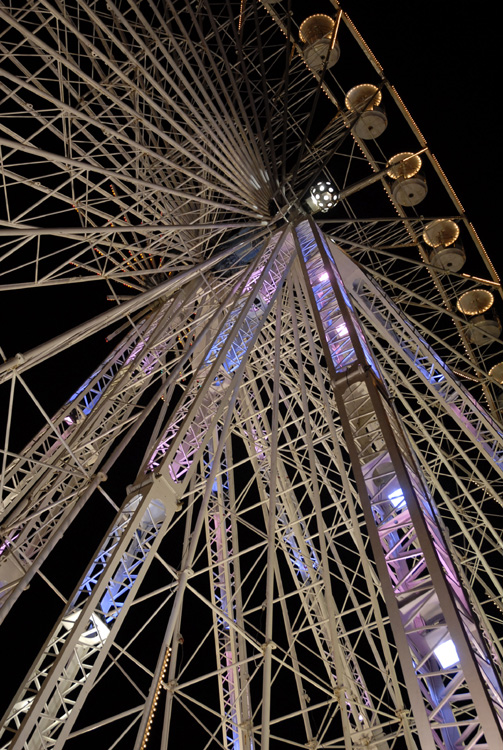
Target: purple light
[[324, 276], [342, 330], [7, 543]]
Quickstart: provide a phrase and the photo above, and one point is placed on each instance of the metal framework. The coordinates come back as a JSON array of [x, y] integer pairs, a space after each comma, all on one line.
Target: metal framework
[[287, 470]]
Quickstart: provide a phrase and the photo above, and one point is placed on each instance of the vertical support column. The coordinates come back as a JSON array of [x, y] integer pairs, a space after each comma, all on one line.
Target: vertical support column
[[48, 484], [201, 411], [222, 547], [64, 673], [66, 668], [427, 606], [310, 567]]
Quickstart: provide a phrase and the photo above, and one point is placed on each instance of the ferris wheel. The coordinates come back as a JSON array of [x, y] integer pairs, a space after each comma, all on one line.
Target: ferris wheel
[[252, 465]]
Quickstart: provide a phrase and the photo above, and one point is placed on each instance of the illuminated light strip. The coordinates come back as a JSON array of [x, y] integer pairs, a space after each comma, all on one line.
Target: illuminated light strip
[[336, 30], [482, 248], [418, 132], [241, 11], [155, 699], [465, 375], [483, 281], [363, 42], [434, 159]]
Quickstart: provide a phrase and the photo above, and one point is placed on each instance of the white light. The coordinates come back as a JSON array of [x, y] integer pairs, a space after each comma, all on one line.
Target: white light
[[342, 330], [323, 194], [324, 276], [446, 654], [396, 498]]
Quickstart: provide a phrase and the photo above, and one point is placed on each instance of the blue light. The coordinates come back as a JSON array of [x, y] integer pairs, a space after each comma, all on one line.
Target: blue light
[[446, 654], [397, 498]]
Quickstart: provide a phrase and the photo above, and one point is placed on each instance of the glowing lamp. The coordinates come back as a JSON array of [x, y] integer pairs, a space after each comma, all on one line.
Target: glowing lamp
[[321, 49], [446, 654], [441, 232], [364, 97], [475, 302], [323, 195], [396, 498], [315, 28], [404, 165], [496, 372]]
